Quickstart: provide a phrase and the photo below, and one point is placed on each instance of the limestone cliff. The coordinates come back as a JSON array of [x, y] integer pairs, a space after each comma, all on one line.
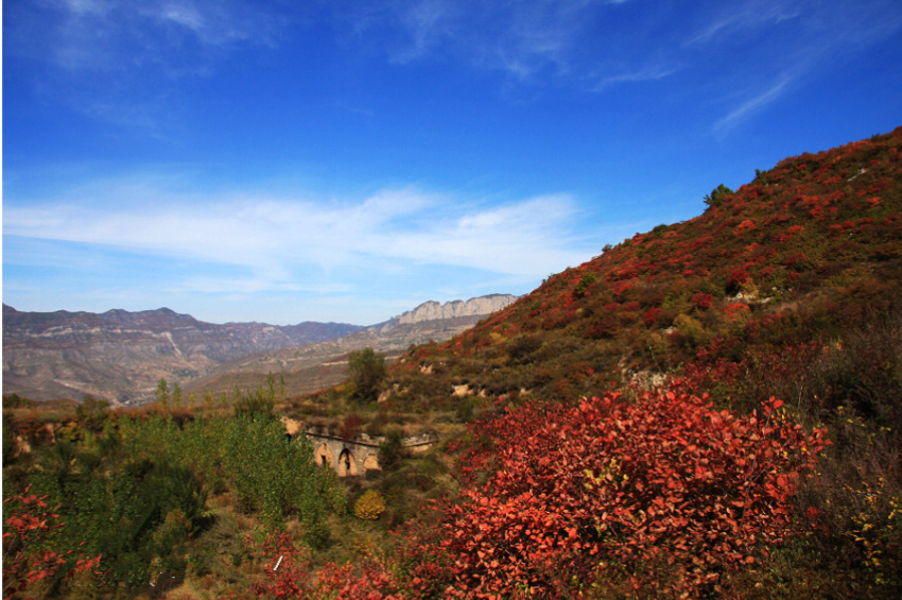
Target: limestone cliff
[[433, 311]]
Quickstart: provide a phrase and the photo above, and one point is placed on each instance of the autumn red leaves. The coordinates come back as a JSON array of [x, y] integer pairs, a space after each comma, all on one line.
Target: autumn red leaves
[[28, 523], [600, 492]]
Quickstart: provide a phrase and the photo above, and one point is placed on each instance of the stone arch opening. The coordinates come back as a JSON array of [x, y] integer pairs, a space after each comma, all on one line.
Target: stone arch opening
[[371, 463], [347, 466], [323, 456]]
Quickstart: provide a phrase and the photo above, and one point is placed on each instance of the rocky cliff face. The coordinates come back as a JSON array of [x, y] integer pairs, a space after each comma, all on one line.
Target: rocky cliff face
[[433, 311]]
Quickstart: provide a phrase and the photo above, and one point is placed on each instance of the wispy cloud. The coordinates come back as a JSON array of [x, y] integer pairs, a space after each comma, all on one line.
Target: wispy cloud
[[429, 23], [519, 39], [751, 105], [740, 18], [98, 35], [120, 62], [654, 73], [781, 45], [275, 238]]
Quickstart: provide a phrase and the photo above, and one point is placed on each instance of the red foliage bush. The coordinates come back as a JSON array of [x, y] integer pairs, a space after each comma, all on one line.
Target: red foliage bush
[[650, 317], [28, 525], [703, 301], [735, 281], [350, 428], [596, 492], [288, 578], [604, 328]]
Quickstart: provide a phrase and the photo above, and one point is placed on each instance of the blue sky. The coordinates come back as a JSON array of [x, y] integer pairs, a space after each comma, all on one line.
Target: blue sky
[[284, 161]]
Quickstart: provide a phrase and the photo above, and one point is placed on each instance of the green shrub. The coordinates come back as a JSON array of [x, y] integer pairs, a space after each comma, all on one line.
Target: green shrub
[[718, 195], [391, 450], [366, 370], [584, 284], [522, 347]]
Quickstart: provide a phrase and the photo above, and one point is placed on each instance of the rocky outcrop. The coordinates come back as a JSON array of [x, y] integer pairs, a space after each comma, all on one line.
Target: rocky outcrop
[[433, 311]]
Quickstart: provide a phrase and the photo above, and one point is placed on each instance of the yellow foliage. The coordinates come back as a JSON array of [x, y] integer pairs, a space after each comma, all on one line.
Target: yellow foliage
[[370, 506]]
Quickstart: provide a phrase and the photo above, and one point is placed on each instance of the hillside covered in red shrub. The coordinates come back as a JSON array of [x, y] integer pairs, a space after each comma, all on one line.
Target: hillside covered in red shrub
[[674, 479], [805, 252]]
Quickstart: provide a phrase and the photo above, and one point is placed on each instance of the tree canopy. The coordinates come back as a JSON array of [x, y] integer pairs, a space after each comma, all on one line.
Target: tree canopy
[[366, 370]]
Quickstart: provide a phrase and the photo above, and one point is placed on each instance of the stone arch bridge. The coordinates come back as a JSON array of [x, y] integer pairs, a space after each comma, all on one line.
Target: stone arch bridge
[[355, 456]]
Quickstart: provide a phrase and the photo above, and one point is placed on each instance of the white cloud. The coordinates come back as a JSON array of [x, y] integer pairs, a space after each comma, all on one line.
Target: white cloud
[[751, 105], [783, 44], [653, 73], [739, 18], [86, 6], [274, 238], [120, 62], [519, 39], [428, 25], [186, 15]]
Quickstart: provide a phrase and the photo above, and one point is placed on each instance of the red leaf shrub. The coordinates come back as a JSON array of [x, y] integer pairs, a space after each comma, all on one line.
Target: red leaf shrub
[[650, 316], [289, 578], [702, 300], [735, 281], [28, 525], [598, 492]]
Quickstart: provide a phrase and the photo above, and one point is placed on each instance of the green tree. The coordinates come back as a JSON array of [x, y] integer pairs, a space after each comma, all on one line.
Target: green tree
[[392, 450], [91, 413], [162, 392], [718, 195], [276, 390], [15, 401], [10, 448], [366, 370], [258, 403]]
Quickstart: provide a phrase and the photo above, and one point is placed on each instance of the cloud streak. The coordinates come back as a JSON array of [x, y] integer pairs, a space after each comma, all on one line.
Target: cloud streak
[[750, 106], [521, 40], [648, 74], [741, 19], [107, 34], [786, 43], [121, 63], [276, 238]]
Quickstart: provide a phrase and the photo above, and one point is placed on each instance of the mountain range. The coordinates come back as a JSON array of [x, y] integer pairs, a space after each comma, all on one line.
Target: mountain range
[[120, 356]]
